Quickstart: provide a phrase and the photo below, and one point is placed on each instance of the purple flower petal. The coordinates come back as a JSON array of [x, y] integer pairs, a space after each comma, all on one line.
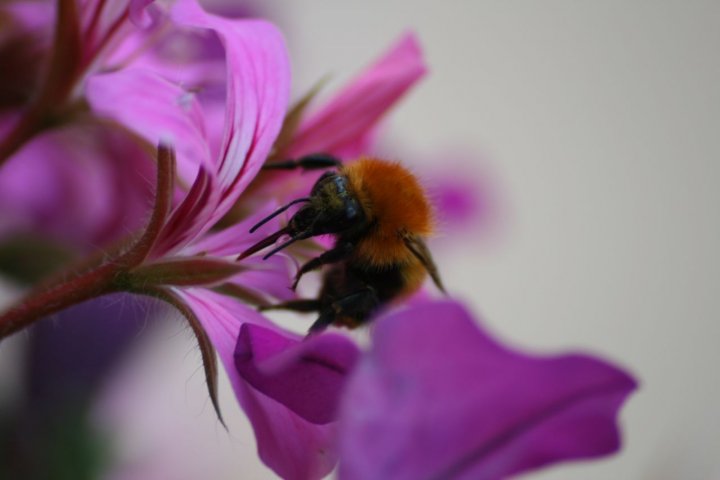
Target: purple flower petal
[[269, 278], [457, 198], [157, 110], [188, 220], [235, 239], [306, 376], [438, 398], [37, 18], [258, 86], [344, 123], [258, 79], [83, 184], [293, 447], [110, 26], [139, 14]]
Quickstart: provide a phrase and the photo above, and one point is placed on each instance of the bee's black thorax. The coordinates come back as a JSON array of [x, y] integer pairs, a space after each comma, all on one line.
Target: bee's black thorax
[[333, 209]]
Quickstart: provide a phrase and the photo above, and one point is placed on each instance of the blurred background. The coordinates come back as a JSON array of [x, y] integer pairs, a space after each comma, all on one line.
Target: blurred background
[[591, 130]]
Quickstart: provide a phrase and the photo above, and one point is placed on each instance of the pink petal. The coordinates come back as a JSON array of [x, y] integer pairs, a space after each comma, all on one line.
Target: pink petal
[[269, 278], [456, 198], [464, 200], [346, 121], [32, 15], [189, 219], [438, 398], [235, 239], [107, 25], [258, 84], [290, 445], [157, 110], [83, 184], [306, 376], [266, 278], [257, 91], [139, 13]]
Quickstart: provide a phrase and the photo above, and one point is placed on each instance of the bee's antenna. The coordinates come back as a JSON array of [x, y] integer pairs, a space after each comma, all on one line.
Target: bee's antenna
[[300, 236], [277, 212], [267, 241]]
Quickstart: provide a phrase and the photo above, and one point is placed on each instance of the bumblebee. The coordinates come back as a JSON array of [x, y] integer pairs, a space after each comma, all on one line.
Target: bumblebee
[[379, 216]]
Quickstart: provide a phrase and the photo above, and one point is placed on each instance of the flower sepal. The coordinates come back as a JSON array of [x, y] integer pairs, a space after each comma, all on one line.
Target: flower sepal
[[182, 271]]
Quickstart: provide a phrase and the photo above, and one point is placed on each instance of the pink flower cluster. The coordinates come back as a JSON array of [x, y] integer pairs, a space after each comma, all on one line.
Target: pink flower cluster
[[434, 396]]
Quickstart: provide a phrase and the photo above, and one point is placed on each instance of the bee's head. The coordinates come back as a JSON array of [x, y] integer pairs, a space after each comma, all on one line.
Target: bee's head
[[331, 208]]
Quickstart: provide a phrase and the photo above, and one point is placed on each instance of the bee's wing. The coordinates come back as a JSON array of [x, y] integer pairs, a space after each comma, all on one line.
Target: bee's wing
[[417, 246]]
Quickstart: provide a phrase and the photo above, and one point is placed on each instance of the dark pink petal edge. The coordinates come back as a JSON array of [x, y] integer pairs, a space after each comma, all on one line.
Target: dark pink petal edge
[[307, 376], [291, 446], [436, 397]]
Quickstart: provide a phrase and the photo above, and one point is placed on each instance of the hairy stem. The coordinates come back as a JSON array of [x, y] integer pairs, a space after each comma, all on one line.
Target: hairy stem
[[40, 303], [96, 275]]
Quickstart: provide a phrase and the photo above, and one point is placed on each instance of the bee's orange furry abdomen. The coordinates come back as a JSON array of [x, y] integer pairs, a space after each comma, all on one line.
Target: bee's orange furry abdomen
[[395, 202]]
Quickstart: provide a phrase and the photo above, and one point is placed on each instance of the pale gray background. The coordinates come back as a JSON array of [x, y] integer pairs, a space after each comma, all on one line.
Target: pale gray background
[[599, 122]]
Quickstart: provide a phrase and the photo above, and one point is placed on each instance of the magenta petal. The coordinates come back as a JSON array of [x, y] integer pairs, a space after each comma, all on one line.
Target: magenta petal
[[187, 219], [265, 278], [293, 447], [83, 184], [268, 278], [436, 397], [37, 16], [458, 199], [258, 87], [139, 14], [350, 116], [306, 376], [157, 110], [236, 238]]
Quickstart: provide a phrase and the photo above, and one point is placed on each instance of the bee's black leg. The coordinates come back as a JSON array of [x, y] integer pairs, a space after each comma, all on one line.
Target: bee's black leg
[[351, 310], [316, 161], [301, 305], [324, 320], [336, 254]]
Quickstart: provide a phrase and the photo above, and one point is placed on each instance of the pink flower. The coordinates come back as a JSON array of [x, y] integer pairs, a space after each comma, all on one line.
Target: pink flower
[[306, 376], [177, 250], [436, 397], [81, 185], [290, 399], [43, 109], [289, 389], [291, 420], [65, 177]]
